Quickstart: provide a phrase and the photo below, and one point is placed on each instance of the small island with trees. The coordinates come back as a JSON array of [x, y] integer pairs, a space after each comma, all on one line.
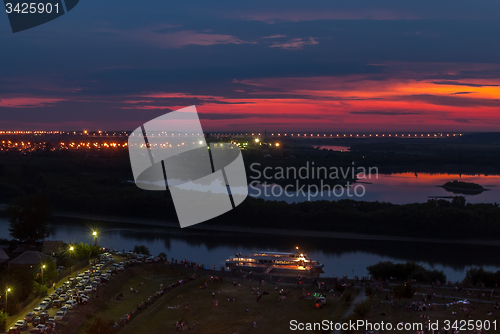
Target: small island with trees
[[466, 188]]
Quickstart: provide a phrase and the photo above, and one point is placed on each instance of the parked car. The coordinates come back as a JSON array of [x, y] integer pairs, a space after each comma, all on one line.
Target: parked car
[[71, 304], [63, 297], [56, 303], [59, 316], [64, 309], [81, 299], [29, 317], [88, 289], [50, 322], [45, 305], [37, 321], [85, 297], [54, 296], [42, 328], [37, 310], [14, 330], [21, 324], [43, 317]]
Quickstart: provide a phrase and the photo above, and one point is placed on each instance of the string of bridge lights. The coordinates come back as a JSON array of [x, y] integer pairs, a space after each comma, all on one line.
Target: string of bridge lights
[[243, 134]]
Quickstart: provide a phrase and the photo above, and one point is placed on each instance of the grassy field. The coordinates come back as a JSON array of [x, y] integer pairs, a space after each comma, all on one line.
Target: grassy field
[[194, 305], [148, 276], [443, 309]]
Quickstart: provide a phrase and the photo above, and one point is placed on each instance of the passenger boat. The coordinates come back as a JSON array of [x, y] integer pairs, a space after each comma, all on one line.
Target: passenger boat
[[275, 262]]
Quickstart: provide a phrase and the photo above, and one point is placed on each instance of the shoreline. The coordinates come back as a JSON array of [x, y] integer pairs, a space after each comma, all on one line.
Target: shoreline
[[280, 232]]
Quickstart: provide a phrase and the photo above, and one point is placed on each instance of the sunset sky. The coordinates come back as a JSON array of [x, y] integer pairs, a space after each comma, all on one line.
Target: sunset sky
[[277, 65]]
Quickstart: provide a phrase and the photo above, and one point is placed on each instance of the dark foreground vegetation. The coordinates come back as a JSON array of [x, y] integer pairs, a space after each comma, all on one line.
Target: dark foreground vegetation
[[474, 277], [405, 272]]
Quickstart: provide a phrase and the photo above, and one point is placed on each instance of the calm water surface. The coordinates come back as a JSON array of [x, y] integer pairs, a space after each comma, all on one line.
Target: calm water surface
[[399, 188], [340, 257], [334, 148]]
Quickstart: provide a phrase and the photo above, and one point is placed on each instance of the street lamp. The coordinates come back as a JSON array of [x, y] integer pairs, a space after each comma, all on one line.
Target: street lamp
[[6, 298], [94, 233], [71, 249], [41, 269]]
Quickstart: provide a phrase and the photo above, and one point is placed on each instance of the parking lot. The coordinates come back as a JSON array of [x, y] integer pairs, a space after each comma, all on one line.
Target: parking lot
[[67, 296]]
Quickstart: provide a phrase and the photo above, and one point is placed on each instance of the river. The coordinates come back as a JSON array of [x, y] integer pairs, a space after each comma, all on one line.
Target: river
[[340, 256]]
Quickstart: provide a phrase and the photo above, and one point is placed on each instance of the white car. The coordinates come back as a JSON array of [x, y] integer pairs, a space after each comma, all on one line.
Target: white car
[[44, 305], [29, 317], [59, 316], [21, 324], [71, 304], [64, 309], [88, 289], [42, 328]]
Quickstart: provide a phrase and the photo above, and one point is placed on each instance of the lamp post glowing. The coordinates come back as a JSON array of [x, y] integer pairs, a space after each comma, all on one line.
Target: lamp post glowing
[[6, 299], [71, 249], [94, 233], [41, 269]]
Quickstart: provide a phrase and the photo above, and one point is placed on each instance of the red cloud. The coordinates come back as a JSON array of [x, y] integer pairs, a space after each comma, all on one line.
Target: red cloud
[[27, 102]]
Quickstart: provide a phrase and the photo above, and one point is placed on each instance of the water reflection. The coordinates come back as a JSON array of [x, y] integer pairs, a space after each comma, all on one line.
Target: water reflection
[[399, 188], [333, 148], [340, 256]]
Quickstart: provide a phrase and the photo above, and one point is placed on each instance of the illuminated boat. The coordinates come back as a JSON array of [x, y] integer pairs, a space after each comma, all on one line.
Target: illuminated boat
[[275, 262]]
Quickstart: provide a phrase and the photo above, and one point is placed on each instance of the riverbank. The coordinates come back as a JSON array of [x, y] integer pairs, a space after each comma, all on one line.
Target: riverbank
[[278, 232]]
